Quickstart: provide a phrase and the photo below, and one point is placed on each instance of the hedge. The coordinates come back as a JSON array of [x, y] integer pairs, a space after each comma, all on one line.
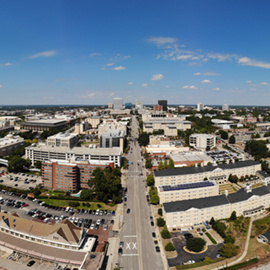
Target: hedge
[[243, 264], [211, 238]]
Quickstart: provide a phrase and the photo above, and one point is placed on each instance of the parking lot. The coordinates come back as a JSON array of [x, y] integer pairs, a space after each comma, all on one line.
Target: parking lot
[[179, 242], [20, 180], [30, 208]]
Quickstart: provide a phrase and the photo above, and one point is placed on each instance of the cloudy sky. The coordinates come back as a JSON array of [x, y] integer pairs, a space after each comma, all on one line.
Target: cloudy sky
[[88, 52]]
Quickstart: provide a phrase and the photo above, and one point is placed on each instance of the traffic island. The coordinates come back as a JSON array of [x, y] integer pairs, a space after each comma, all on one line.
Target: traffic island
[[192, 252]]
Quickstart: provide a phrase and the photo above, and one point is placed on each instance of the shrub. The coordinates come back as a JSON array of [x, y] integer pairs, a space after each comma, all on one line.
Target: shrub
[[169, 247], [160, 211], [165, 234], [211, 238], [195, 244], [228, 250], [160, 222]]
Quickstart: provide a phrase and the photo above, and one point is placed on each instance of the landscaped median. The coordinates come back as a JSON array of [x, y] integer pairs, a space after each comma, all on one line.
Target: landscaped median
[[211, 238]]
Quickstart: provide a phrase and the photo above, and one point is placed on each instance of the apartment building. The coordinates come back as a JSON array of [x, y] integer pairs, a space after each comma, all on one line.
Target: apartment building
[[202, 141], [112, 138], [111, 124], [42, 152], [63, 140], [169, 125], [246, 202], [10, 143], [70, 175], [219, 173], [171, 193]]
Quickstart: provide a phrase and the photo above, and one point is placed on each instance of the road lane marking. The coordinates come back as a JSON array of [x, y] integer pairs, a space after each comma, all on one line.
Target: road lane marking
[[130, 236]]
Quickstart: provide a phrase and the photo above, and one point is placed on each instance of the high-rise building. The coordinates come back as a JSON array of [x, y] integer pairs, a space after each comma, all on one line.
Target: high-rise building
[[128, 105], [200, 107], [139, 104], [118, 103], [164, 104], [225, 107]]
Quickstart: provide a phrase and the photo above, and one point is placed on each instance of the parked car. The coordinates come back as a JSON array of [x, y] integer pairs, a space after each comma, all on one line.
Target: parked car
[[31, 263]]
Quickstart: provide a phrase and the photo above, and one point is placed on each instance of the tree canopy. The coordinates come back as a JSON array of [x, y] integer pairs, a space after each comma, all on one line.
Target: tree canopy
[[106, 184], [195, 244]]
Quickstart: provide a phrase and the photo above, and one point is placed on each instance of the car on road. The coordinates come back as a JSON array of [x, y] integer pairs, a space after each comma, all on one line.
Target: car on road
[[152, 223], [120, 251], [31, 263], [154, 234], [155, 241], [128, 211], [121, 244], [157, 248]]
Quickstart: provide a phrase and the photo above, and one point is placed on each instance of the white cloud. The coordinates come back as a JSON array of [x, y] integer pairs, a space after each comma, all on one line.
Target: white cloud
[[119, 57], [220, 57], [43, 54], [110, 64], [94, 54], [249, 81], [264, 83], [190, 87], [216, 89], [245, 61], [157, 77], [119, 68], [144, 84], [48, 98], [162, 40], [111, 94], [8, 64], [206, 74], [206, 81], [1, 86], [89, 95], [130, 83]]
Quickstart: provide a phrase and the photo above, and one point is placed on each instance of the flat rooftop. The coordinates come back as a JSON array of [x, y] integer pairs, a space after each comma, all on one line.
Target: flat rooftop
[[186, 186]]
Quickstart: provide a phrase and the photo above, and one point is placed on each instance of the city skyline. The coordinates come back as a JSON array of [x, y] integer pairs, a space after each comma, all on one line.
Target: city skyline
[[186, 52]]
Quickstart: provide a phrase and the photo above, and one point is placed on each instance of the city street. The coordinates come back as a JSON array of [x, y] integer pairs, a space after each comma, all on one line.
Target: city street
[[138, 249]]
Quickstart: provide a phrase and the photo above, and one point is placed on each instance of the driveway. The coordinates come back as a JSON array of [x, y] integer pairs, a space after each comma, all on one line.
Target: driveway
[[183, 256]]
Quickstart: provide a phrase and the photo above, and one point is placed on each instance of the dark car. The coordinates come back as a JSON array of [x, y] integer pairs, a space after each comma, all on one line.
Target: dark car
[[154, 234], [152, 223], [157, 249], [31, 263], [120, 251], [128, 211]]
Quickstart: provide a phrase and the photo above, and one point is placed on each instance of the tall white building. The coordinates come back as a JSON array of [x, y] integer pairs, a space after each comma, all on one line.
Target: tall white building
[[225, 107], [139, 105], [118, 103], [202, 141], [200, 107]]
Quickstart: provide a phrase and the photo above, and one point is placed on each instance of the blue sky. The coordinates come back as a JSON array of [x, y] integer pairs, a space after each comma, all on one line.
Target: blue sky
[[88, 52]]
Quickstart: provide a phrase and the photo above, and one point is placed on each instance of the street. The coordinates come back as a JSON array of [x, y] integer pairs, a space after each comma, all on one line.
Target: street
[[138, 250]]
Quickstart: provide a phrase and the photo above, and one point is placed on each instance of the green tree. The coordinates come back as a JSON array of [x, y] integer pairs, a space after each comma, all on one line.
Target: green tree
[[150, 181], [160, 211], [165, 234], [171, 164], [232, 139], [195, 244], [166, 166], [169, 247], [161, 222], [161, 166], [38, 164], [257, 148], [207, 260], [148, 164], [233, 178], [233, 216], [154, 199], [228, 250], [143, 139], [224, 134], [87, 194], [17, 164]]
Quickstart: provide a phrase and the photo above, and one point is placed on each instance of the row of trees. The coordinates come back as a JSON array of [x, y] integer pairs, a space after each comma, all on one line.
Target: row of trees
[[104, 186], [165, 165]]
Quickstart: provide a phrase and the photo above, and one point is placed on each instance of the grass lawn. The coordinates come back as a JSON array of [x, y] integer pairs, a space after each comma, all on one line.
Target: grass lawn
[[93, 205], [262, 221], [257, 249]]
